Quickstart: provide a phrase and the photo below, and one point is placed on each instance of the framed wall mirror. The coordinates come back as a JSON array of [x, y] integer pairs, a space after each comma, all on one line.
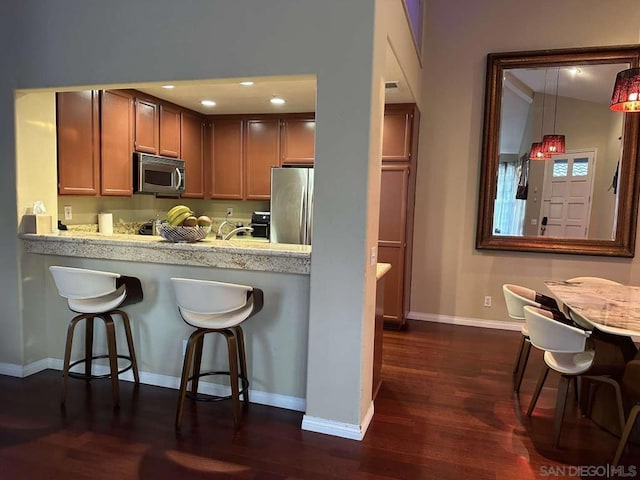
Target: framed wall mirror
[[581, 201]]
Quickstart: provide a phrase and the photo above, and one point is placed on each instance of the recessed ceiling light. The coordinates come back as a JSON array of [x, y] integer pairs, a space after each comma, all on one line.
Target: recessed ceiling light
[[277, 101], [208, 103], [248, 83], [168, 87]]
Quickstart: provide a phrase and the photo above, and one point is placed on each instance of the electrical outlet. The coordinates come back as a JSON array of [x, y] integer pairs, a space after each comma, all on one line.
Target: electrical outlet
[[68, 215], [487, 301], [230, 211]]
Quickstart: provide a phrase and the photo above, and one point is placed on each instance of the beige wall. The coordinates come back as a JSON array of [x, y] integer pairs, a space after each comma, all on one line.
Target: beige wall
[[451, 277], [586, 126]]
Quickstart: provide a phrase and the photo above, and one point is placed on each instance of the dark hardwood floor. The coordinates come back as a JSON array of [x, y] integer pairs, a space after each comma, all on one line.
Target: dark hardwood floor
[[445, 411]]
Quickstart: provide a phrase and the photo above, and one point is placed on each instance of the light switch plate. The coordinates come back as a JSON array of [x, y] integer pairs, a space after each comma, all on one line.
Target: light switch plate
[[373, 258]]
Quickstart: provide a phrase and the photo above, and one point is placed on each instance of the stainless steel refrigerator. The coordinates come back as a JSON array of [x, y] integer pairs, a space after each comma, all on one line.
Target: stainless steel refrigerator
[[291, 205]]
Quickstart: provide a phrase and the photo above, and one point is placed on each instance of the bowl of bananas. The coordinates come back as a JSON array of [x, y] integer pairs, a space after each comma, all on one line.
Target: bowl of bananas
[[183, 226]]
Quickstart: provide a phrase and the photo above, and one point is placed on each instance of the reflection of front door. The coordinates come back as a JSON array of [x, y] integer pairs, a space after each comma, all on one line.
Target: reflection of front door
[[566, 194]]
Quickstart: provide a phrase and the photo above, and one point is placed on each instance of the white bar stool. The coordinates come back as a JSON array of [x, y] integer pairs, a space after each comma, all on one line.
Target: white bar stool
[[96, 294], [215, 307]]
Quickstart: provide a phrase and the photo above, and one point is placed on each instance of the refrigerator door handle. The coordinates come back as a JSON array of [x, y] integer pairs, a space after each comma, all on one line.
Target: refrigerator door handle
[[303, 216]]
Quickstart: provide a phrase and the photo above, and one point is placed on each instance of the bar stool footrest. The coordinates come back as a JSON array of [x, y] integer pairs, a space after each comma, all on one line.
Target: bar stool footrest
[[203, 397], [83, 376]]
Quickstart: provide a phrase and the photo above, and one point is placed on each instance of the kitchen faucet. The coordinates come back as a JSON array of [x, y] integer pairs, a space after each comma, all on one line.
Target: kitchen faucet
[[235, 231], [225, 222]]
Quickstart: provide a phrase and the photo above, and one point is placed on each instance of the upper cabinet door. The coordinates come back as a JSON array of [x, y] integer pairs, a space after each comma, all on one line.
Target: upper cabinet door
[[261, 153], [298, 141], [227, 164], [78, 131], [396, 137], [116, 166], [146, 136], [193, 155], [169, 131]]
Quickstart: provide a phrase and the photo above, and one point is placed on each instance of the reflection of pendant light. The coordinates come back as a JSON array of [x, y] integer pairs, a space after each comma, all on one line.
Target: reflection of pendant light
[[626, 91], [553, 144], [536, 152]]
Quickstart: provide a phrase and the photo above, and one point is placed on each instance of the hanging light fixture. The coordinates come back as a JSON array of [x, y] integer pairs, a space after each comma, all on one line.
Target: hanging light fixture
[[552, 144], [536, 152], [626, 91]]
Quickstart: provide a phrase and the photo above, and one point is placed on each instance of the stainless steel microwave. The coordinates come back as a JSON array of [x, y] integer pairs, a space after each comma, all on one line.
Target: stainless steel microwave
[[155, 174]]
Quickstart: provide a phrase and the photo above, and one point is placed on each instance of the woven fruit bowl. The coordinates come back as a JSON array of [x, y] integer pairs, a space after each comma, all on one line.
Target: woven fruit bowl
[[182, 234]]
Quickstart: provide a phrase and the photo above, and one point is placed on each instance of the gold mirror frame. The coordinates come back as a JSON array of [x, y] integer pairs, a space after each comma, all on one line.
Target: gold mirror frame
[[624, 243]]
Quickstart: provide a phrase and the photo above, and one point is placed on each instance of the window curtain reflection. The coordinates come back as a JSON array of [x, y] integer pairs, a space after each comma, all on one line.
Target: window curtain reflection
[[508, 215]]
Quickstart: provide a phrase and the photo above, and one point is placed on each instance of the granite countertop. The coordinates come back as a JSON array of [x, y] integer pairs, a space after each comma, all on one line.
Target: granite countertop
[[244, 253]]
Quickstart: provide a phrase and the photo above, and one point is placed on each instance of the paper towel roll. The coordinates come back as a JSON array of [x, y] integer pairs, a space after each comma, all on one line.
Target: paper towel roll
[[105, 223]]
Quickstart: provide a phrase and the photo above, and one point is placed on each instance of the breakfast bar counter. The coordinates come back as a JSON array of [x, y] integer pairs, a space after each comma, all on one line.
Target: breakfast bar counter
[[237, 253], [276, 339]]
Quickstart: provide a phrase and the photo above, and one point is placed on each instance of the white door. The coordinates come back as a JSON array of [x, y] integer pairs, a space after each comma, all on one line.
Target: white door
[[566, 194]]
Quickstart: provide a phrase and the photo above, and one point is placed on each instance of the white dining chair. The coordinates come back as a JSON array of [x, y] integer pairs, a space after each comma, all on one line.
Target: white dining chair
[[566, 353], [516, 298]]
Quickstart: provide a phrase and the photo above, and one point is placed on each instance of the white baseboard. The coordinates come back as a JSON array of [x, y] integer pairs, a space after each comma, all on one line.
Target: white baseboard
[[166, 381], [338, 429], [476, 322], [466, 321]]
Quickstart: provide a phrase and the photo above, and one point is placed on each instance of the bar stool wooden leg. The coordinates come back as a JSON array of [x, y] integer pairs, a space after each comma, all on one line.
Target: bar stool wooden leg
[[197, 360], [243, 360], [113, 357], [233, 375], [67, 356], [130, 345], [88, 346], [186, 368]]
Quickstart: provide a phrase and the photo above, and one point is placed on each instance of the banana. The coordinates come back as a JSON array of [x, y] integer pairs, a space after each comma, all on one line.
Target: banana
[[176, 212], [181, 217]]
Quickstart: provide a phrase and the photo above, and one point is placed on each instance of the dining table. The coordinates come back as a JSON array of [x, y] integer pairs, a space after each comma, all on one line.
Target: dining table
[[610, 308]]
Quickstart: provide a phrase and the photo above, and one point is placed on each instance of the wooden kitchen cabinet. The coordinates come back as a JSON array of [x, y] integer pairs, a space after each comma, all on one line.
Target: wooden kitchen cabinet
[[396, 136], [146, 126], [117, 129], [192, 128], [227, 165], [297, 141], [261, 153], [392, 236], [78, 138], [170, 137], [397, 198]]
